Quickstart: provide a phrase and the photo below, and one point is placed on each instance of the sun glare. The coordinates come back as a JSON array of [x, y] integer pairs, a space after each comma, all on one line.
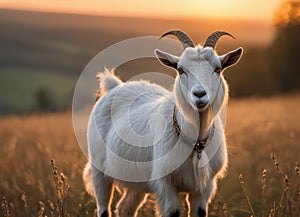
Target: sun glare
[[230, 9], [250, 10]]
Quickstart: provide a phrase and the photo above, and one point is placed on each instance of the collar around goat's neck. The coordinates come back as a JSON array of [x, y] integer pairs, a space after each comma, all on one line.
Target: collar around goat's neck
[[200, 143]]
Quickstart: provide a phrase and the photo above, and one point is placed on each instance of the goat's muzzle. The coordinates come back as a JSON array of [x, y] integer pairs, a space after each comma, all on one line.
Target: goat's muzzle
[[200, 98]]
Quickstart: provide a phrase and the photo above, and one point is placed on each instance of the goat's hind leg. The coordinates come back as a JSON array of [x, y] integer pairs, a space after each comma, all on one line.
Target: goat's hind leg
[[130, 203], [103, 189]]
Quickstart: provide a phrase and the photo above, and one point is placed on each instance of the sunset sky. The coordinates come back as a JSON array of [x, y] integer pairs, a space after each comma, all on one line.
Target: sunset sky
[[232, 9]]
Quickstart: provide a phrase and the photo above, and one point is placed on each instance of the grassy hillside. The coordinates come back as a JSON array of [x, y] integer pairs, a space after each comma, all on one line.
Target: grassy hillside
[[256, 128], [20, 89]]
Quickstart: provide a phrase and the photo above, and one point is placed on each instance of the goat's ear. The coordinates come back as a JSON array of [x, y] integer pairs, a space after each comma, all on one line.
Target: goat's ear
[[231, 58], [166, 59]]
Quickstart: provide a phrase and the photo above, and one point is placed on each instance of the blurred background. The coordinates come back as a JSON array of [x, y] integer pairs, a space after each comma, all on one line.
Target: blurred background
[[46, 45]]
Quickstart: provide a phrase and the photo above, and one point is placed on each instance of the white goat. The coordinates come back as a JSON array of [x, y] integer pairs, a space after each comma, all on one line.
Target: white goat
[[178, 135]]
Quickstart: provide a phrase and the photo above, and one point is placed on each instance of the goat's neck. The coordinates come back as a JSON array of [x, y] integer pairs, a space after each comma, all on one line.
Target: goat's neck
[[196, 125]]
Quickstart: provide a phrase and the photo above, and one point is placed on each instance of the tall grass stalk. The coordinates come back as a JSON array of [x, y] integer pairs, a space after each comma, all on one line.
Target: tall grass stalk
[[242, 182], [62, 187], [24, 200], [5, 208], [263, 187], [284, 204]]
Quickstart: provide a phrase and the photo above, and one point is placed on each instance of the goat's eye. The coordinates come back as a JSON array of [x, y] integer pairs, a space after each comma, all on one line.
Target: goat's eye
[[180, 70], [218, 70]]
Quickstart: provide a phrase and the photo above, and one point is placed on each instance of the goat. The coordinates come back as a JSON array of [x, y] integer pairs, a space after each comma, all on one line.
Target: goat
[[150, 140]]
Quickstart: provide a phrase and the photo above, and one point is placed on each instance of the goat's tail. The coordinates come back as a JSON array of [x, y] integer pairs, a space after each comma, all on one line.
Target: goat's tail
[[87, 179], [107, 81]]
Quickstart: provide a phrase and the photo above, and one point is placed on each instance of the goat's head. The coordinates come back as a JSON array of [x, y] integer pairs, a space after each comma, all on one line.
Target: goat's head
[[200, 79]]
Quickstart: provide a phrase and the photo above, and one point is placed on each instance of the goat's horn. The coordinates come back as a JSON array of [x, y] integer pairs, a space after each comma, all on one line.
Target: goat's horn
[[183, 38], [212, 40]]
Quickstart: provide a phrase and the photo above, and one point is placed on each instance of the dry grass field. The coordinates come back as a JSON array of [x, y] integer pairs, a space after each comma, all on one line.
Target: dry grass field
[[263, 135]]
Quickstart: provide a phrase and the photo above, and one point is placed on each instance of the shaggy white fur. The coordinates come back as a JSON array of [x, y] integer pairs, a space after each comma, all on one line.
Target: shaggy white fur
[[132, 140]]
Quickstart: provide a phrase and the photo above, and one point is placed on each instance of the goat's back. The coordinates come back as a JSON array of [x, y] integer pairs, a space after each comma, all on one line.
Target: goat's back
[[125, 120]]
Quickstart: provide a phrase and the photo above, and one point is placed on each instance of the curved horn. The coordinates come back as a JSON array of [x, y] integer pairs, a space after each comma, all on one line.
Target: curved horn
[[183, 37], [212, 40]]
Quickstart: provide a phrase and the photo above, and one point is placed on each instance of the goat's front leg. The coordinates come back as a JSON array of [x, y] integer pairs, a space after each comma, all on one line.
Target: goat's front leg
[[199, 201], [167, 198]]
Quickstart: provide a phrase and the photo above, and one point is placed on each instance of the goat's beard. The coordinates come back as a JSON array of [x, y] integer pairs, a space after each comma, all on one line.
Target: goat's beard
[[205, 121]]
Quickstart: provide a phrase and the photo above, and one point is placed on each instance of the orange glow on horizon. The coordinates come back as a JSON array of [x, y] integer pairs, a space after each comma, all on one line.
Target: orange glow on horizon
[[212, 9]]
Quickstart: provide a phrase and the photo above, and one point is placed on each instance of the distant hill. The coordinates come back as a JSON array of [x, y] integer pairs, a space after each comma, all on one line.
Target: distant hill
[[48, 51], [66, 42]]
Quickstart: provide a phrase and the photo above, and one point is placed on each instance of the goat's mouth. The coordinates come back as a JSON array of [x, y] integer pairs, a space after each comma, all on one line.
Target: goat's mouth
[[202, 103]]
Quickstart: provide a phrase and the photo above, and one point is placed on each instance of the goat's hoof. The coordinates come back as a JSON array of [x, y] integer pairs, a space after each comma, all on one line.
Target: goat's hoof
[[104, 214], [175, 214], [201, 212]]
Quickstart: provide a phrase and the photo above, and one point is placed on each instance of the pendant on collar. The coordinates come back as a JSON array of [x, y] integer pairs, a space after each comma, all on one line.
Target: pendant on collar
[[199, 147], [199, 144]]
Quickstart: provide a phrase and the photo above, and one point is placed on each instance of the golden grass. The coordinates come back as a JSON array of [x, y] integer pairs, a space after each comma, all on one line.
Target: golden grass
[[257, 183]]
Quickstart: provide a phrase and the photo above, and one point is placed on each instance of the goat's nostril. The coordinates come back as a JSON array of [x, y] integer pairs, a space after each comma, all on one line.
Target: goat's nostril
[[199, 93]]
